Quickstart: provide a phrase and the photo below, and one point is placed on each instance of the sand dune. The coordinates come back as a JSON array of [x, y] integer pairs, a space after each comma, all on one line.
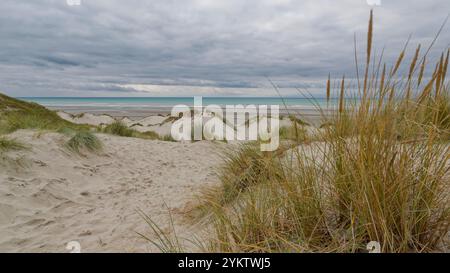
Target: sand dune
[[160, 124], [50, 196], [87, 118]]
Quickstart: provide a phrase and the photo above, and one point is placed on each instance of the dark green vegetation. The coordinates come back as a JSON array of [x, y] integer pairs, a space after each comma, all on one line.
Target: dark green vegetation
[[84, 140], [7, 144], [16, 114], [119, 129]]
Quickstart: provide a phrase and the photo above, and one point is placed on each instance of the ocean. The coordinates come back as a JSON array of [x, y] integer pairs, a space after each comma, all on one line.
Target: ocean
[[140, 107], [130, 103]]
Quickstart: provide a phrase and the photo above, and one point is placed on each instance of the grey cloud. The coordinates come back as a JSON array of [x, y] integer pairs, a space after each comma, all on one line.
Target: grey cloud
[[50, 48], [60, 61]]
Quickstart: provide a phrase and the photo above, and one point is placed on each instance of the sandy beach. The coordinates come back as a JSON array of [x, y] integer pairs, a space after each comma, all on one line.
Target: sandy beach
[[235, 127], [53, 197], [50, 196]]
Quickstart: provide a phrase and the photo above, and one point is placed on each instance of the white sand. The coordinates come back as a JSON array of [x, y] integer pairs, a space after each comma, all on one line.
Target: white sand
[[87, 118], [53, 197], [153, 123]]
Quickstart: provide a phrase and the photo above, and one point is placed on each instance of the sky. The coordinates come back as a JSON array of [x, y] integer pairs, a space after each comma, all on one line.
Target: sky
[[121, 48]]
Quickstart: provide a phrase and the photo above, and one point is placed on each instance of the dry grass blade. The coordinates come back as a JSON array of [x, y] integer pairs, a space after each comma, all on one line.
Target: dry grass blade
[[328, 89], [378, 173], [413, 63], [422, 70], [369, 49], [439, 76], [163, 242], [341, 96], [369, 37]]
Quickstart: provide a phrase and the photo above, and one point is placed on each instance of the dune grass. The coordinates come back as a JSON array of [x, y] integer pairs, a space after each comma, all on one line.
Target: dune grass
[[242, 170], [16, 114], [15, 162], [10, 144], [84, 140], [380, 172], [118, 128]]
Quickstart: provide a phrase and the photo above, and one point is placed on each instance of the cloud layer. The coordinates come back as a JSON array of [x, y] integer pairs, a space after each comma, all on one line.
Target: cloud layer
[[158, 48]]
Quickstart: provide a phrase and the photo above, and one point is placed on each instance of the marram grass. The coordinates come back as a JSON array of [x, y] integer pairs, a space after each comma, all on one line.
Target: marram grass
[[16, 114], [7, 144], [118, 128], [84, 140], [379, 172]]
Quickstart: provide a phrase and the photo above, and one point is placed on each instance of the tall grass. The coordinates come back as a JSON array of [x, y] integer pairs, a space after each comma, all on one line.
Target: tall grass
[[243, 170], [379, 173]]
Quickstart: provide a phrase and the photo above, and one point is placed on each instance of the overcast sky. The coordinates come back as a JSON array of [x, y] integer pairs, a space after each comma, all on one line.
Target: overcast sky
[[188, 47]]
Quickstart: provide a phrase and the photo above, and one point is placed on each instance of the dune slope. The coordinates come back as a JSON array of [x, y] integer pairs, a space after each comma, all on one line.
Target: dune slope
[[49, 196]]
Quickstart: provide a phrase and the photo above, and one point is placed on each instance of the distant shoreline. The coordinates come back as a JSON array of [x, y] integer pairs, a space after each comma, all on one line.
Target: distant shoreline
[[137, 108], [150, 111]]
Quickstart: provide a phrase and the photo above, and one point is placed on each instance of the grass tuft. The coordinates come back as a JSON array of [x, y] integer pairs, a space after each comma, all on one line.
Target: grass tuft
[[16, 114], [84, 140], [118, 128], [10, 144]]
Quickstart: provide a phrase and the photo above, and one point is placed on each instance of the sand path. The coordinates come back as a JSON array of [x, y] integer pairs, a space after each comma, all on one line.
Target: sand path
[[49, 196]]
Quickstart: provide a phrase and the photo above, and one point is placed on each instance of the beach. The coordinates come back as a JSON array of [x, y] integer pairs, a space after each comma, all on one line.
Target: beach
[[235, 127], [55, 197], [51, 197], [139, 108], [138, 184]]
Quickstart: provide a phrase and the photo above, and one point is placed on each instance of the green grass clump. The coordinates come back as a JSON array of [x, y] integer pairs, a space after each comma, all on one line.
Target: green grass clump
[[167, 138], [66, 131], [147, 135], [84, 140], [16, 114], [118, 128], [10, 144]]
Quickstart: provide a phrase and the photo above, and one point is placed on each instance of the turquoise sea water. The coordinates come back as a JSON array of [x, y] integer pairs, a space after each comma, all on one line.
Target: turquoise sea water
[[163, 102]]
